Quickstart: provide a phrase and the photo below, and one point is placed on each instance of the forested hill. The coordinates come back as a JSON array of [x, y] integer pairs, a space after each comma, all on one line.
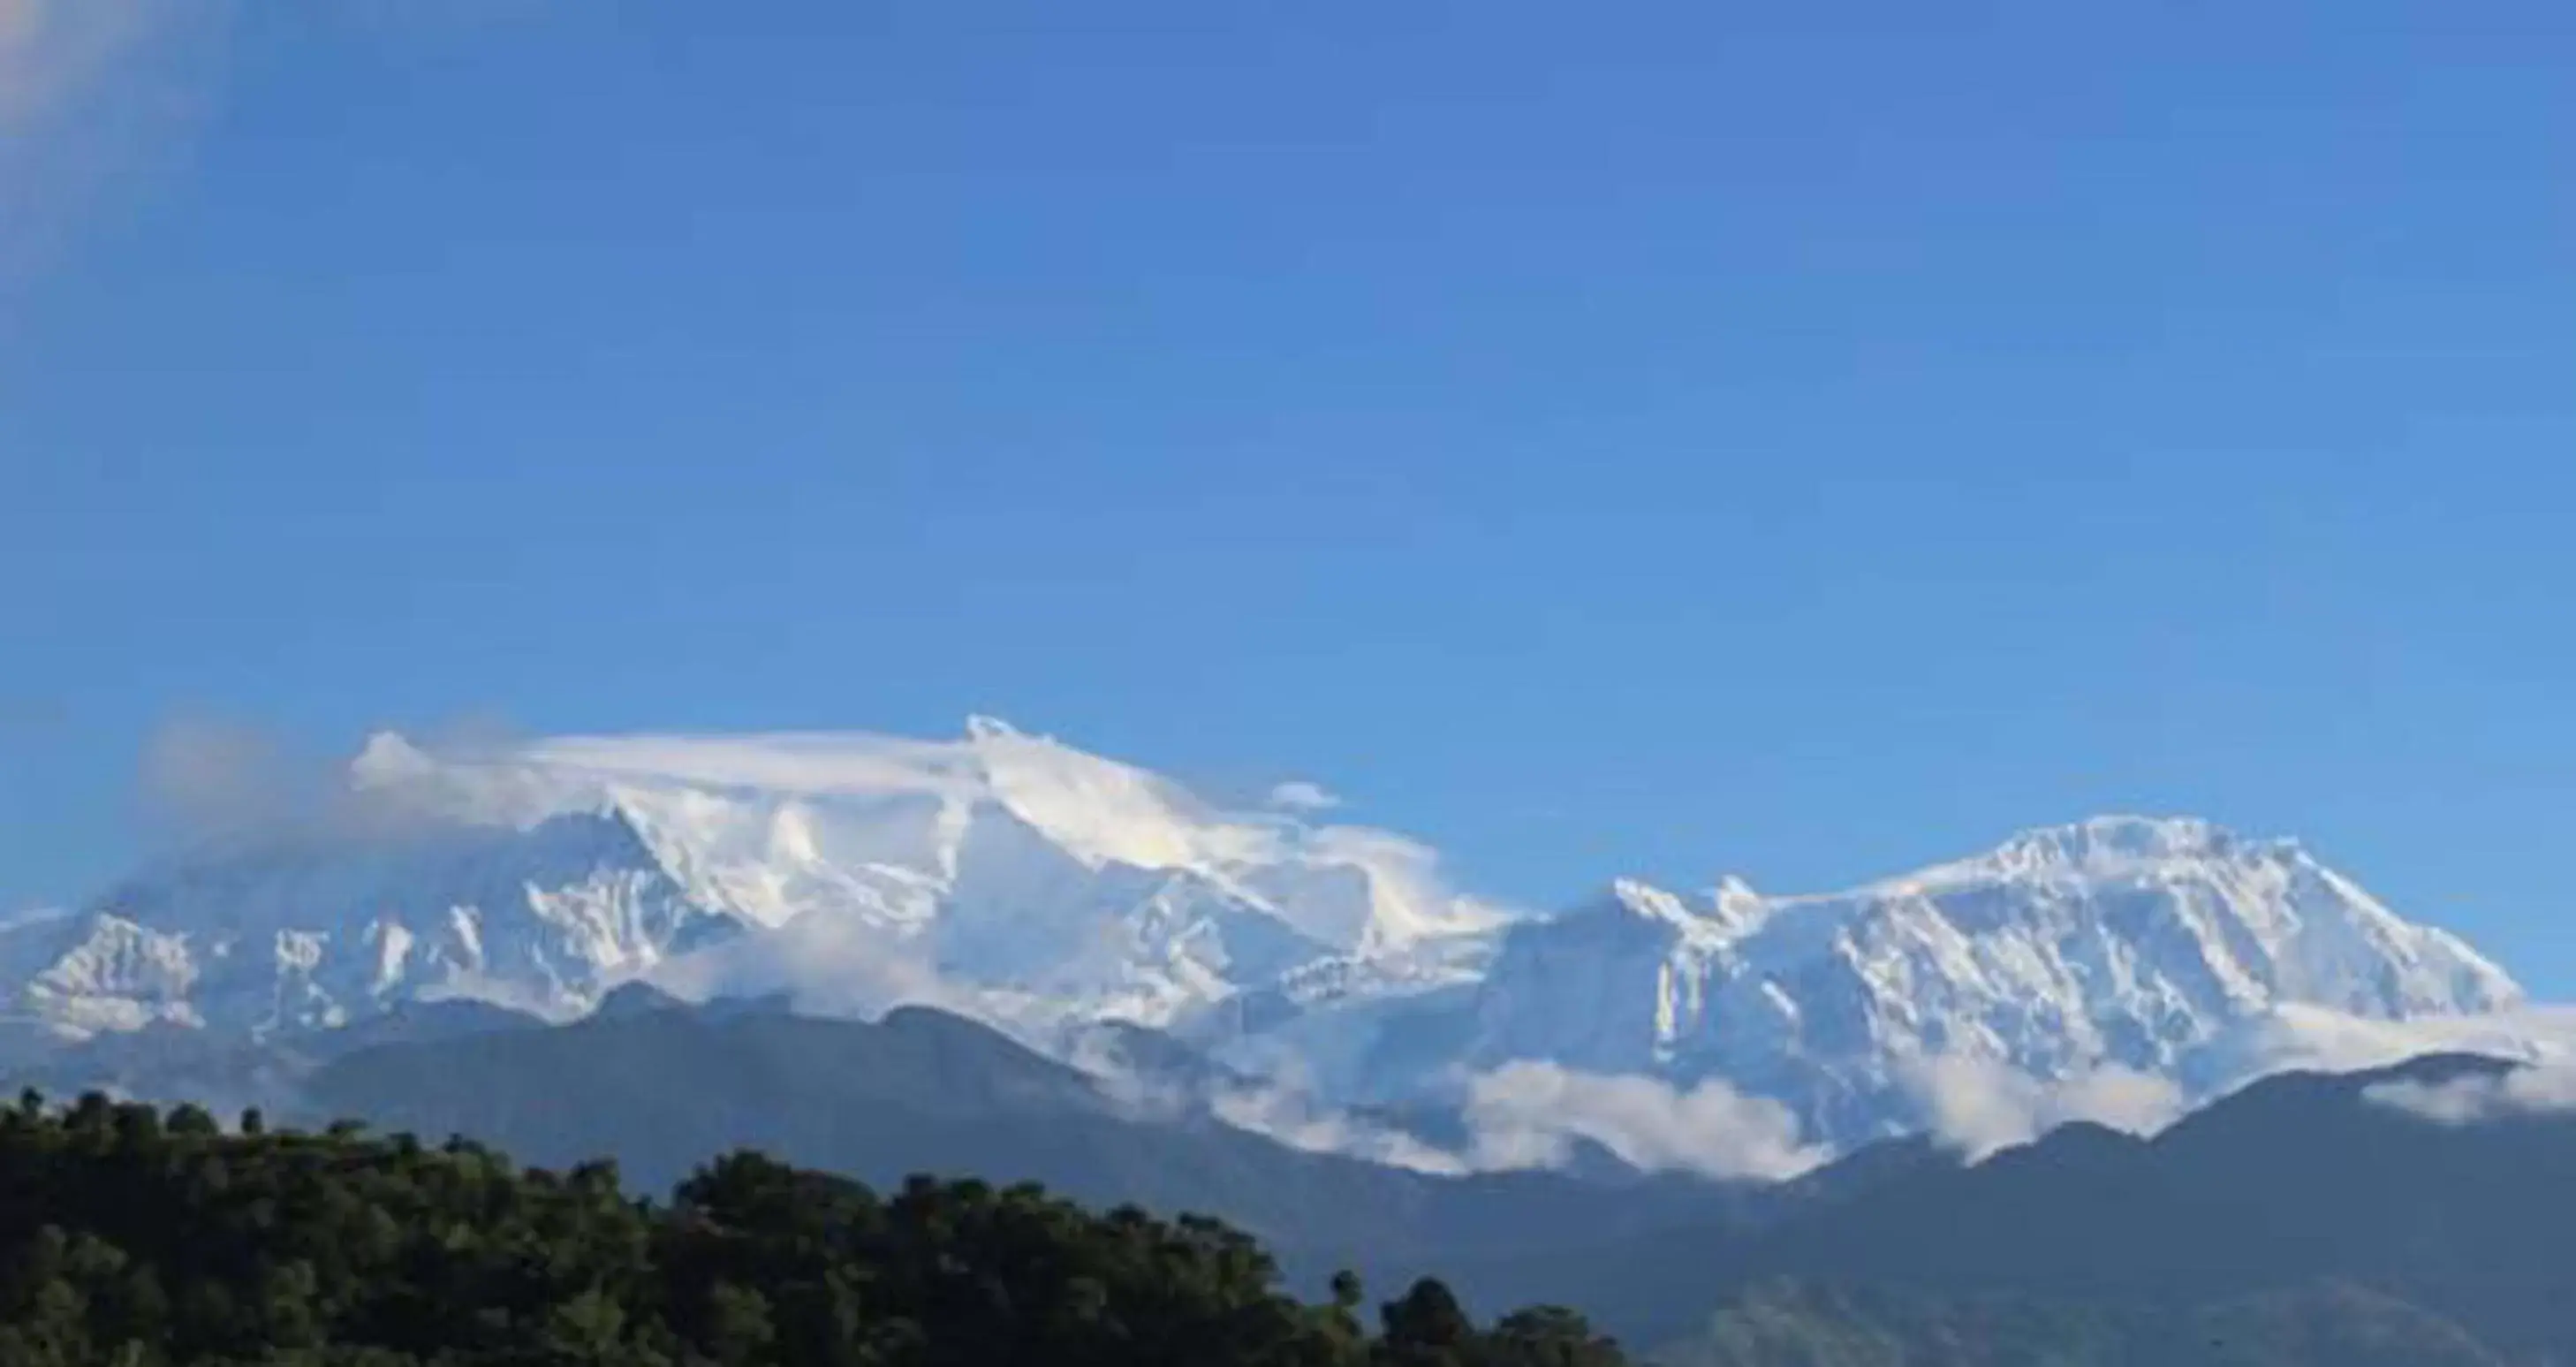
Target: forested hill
[[2311, 1221], [134, 1237], [2414, 1216]]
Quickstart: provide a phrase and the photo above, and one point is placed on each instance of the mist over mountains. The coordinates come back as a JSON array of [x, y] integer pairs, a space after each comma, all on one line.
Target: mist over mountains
[[2088, 1097], [2405, 1216], [2119, 969]]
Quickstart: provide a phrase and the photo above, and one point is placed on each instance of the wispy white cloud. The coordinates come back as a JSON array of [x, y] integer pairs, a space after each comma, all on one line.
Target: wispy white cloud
[[1294, 1117], [1979, 1105], [89, 91], [33, 915], [1303, 795], [2546, 1089], [1282, 1107], [1521, 1116], [826, 965], [1534, 1114], [2320, 1040], [1529, 1115], [204, 775], [53, 51], [1333, 883]]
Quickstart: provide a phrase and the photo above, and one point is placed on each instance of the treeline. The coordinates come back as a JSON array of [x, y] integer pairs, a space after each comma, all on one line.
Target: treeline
[[135, 1237]]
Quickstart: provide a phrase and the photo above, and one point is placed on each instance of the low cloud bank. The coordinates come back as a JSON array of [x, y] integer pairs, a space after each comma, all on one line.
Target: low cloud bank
[[1534, 1114], [2546, 1089], [1980, 1105], [2541, 1039], [1295, 1118], [1522, 1116], [825, 965], [2319, 1040]]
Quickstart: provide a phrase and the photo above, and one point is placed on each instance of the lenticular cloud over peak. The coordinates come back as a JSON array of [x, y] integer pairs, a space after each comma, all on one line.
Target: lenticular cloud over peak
[[871, 801]]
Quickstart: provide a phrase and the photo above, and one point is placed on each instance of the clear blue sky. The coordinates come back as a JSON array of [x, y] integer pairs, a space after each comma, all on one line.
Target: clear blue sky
[[1801, 439]]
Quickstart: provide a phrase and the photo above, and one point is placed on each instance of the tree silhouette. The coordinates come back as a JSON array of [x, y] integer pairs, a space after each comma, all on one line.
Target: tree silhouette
[[140, 1239]]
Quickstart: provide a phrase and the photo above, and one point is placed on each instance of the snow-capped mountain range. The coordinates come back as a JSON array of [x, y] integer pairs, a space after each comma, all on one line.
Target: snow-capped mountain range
[[1018, 879], [2116, 944]]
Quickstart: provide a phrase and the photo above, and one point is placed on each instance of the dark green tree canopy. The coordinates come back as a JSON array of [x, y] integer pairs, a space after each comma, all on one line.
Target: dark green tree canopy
[[132, 1238]]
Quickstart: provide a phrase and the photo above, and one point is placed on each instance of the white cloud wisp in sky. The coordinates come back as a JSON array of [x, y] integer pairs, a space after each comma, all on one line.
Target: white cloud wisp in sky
[[52, 51], [90, 90], [1304, 795]]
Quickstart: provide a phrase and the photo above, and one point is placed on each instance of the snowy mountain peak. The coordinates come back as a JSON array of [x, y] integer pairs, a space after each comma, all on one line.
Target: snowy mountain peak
[[1723, 914], [2099, 849], [2261, 919], [1011, 870], [1636, 897], [387, 760], [2120, 942], [1734, 904], [899, 816], [1007, 874], [2115, 840], [313, 928]]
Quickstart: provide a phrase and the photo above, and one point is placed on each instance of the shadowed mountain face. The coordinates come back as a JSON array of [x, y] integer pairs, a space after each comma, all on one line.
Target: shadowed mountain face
[[2334, 1220], [663, 1088], [2303, 1202]]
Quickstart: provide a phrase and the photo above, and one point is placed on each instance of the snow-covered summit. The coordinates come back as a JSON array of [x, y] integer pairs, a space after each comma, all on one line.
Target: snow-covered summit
[[2257, 920], [997, 862], [773, 826], [2104, 848], [313, 928], [2121, 942]]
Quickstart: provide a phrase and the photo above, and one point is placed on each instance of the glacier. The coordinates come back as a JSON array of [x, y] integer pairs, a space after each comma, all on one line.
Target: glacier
[[1048, 891]]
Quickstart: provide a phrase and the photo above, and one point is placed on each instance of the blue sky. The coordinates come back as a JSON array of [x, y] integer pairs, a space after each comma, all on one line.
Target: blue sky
[[1804, 440]]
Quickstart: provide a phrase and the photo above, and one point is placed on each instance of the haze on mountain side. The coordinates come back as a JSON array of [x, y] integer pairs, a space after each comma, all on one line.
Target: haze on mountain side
[[1428, 686]]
